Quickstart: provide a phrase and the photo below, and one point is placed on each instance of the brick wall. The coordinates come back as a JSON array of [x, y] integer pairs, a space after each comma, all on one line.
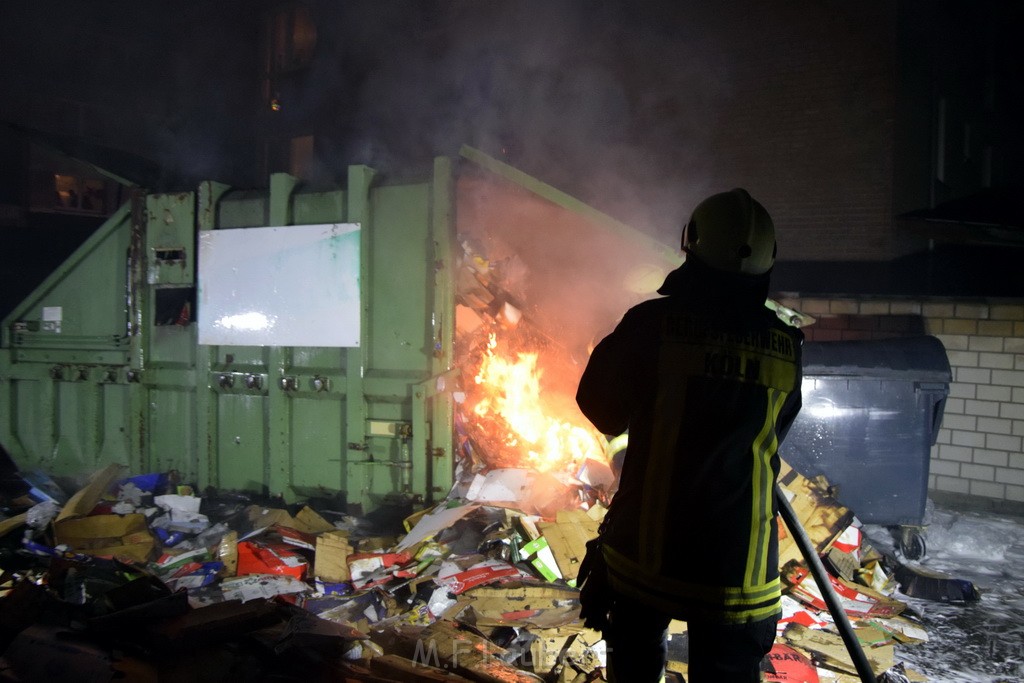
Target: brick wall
[[978, 457], [811, 103]]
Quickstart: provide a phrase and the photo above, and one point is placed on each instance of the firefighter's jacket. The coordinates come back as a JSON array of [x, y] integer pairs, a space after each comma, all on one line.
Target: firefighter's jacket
[[707, 381]]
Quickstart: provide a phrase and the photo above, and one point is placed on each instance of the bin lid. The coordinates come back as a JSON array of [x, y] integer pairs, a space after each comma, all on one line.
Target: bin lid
[[920, 358]]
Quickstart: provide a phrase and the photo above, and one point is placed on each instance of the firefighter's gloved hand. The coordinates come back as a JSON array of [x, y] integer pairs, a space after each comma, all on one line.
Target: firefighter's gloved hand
[[595, 594]]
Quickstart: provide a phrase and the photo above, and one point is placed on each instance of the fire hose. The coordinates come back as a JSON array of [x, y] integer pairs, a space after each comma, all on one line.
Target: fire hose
[[860, 660]]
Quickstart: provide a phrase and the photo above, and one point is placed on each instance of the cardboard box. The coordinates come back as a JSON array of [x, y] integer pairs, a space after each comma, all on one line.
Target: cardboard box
[[540, 556], [785, 664], [567, 537], [479, 574], [227, 553], [86, 498], [528, 605], [856, 600], [821, 515], [307, 520], [332, 551], [369, 569], [107, 535], [829, 649], [103, 535]]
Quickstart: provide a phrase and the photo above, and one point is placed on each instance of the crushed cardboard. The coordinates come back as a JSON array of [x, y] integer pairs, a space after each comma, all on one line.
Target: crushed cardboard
[[489, 579], [528, 605], [829, 650], [106, 535], [857, 601], [567, 537], [83, 532], [11, 523], [819, 513], [332, 553], [786, 664]]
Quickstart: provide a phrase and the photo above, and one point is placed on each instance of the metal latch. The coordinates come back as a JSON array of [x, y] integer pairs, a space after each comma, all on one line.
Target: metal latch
[[394, 430]]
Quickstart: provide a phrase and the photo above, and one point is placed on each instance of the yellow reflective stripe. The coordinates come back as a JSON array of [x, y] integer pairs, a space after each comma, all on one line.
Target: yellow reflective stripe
[[696, 600], [701, 611], [617, 444], [775, 373], [763, 448], [725, 595], [758, 614], [753, 559]]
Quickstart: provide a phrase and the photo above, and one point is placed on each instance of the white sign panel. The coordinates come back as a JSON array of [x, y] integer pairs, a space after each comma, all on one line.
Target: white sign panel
[[296, 285]]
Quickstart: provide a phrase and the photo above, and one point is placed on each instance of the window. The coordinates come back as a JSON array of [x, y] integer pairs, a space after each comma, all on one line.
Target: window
[[289, 44], [64, 185], [292, 39], [79, 194]]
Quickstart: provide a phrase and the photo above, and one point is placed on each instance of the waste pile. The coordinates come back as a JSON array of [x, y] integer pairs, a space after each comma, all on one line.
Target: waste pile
[[138, 578]]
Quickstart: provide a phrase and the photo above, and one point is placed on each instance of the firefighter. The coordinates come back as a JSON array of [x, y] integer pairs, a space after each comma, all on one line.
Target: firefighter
[[706, 379]]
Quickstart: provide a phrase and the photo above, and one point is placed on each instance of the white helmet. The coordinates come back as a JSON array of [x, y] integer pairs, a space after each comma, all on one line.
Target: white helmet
[[731, 231]]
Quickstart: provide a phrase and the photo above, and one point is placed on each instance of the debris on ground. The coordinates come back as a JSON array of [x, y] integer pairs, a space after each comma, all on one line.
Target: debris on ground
[[129, 573]]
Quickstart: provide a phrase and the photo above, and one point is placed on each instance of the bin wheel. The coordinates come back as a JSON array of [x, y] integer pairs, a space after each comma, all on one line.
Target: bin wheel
[[911, 544]]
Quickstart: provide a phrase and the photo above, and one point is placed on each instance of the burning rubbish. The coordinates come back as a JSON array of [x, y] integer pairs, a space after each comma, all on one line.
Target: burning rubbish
[[508, 390], [515, 408]]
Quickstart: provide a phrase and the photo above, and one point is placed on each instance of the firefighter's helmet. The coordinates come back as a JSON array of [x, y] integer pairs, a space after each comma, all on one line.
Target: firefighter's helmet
[[731, 231]]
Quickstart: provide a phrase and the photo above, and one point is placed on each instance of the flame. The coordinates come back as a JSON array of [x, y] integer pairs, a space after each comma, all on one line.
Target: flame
[[510, 396]]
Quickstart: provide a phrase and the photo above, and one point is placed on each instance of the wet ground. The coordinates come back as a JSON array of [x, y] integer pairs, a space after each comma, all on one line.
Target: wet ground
[[980, 642]]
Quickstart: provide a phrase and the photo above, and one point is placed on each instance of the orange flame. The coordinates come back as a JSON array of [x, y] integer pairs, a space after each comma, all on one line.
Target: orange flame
[[510, 389]]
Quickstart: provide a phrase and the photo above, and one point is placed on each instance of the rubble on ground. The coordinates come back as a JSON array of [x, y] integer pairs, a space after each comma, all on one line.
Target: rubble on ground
[[137, 577]]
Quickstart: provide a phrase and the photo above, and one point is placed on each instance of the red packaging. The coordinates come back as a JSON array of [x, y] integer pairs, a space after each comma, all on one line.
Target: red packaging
[[270, 558], [786, 665]]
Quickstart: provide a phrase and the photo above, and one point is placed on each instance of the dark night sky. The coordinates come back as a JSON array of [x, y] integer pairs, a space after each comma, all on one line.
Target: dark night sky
[[160, 79], [620, 103]]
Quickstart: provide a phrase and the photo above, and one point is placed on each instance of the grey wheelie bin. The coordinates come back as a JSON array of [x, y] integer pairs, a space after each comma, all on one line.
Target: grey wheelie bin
[[871, 413]]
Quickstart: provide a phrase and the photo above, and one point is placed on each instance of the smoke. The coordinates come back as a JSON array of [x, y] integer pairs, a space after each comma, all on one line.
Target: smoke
[[571, 275], [615, 105]]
